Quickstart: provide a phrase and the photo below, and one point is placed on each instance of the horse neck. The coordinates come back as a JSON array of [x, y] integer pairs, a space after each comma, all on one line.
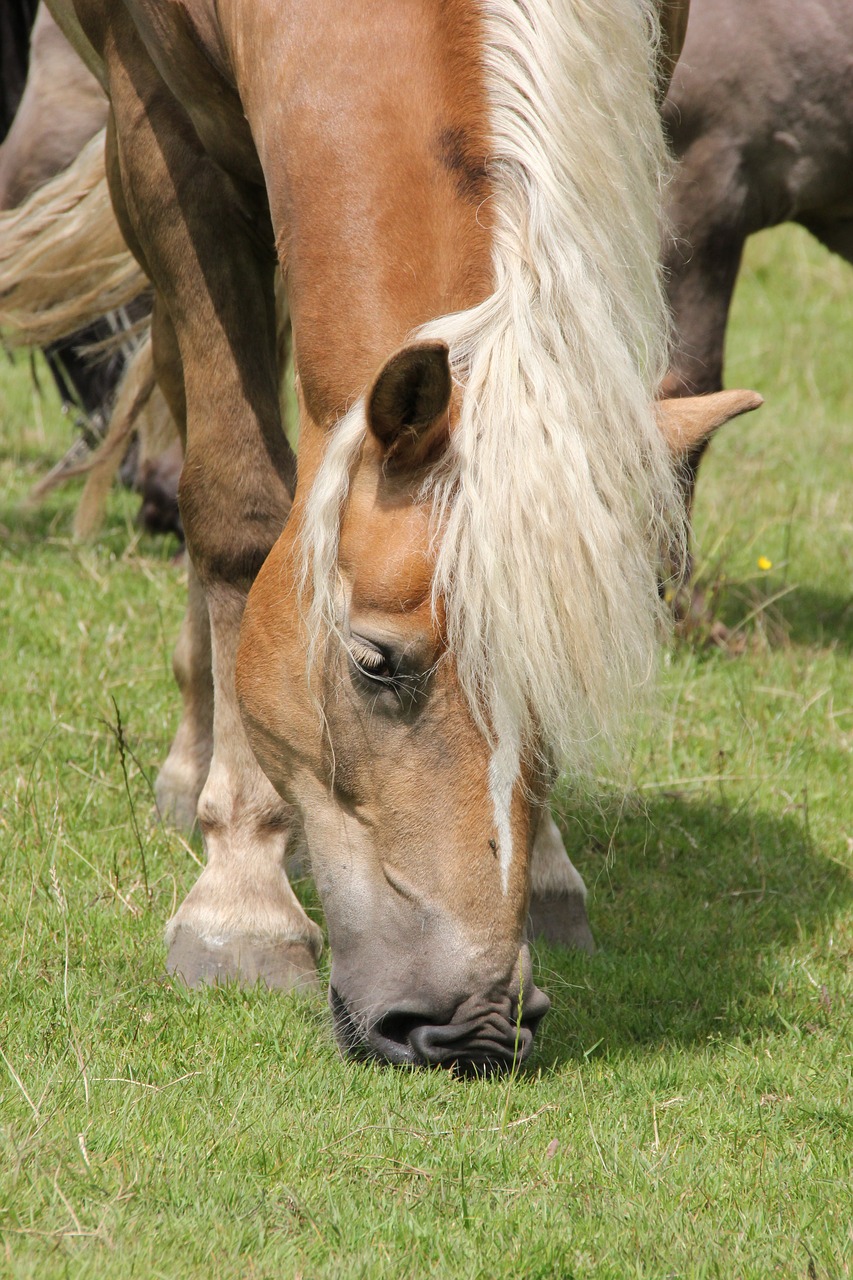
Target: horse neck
[[372, 137]]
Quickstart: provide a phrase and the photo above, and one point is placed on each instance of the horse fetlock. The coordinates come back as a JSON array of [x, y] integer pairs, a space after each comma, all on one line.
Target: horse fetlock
[[244, 896]]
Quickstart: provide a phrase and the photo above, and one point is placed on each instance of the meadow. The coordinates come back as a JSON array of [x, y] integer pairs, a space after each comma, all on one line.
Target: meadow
[[688, 1111]]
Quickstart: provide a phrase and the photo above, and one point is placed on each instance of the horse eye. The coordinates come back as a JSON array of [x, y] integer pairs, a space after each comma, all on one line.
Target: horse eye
[[370, 661]]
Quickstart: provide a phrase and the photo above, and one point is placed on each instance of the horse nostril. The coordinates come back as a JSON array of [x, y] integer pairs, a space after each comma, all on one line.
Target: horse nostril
[[397, 1027], [390, 1039], [387, 1039]]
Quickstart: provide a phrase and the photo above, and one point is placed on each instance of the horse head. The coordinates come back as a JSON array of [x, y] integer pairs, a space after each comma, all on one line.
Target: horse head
[[420, 832], [419, 813]]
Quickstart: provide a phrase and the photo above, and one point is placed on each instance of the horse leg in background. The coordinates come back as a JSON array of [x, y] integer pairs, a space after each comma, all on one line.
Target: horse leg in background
[[183, 775], [157, 481], [241, 919], [557, 910], [700, 292], [701, 268]]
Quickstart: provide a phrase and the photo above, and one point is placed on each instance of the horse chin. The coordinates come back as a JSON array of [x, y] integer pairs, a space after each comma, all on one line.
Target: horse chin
[[475, 1035]]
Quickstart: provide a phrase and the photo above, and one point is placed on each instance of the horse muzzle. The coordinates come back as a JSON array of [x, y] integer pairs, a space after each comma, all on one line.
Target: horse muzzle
[[481, 1035]]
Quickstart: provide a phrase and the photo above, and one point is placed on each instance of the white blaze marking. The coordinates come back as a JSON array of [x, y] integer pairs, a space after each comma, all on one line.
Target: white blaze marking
[[503, 774]]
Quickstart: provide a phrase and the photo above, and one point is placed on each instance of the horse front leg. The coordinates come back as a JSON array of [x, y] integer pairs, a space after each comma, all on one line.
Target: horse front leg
[[200, 238], [241, 919]]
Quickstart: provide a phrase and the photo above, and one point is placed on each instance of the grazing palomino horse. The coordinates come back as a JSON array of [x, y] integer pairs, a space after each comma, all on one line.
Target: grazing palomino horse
[[760, 115], [459, 595]]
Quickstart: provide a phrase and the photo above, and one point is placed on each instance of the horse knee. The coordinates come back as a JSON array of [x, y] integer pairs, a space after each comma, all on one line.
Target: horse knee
[[230, 525]]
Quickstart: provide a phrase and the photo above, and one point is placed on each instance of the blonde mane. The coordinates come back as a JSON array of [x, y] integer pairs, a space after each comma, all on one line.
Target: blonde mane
[[557, 493]]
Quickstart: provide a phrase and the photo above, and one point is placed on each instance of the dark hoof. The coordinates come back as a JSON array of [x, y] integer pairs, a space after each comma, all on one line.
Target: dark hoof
[[561, 918], [283, 966]]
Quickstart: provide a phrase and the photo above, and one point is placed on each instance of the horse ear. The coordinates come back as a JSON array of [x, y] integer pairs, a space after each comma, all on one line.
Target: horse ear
[[407, 407], [689, 421]]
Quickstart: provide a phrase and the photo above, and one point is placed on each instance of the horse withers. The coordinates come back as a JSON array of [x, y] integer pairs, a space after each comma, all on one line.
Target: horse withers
[[464, 595]]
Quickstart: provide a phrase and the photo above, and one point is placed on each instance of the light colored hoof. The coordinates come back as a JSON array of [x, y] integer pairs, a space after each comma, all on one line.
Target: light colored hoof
[[283, 966], [561, 918]]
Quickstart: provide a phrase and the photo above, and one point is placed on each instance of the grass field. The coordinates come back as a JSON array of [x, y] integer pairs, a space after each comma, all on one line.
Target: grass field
[[688, 1112]]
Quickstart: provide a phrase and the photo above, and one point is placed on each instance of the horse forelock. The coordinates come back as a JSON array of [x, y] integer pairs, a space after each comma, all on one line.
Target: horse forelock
[[556, 494]]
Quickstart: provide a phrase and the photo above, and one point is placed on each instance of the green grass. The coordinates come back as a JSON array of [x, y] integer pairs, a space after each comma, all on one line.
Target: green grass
[[689, 1109]]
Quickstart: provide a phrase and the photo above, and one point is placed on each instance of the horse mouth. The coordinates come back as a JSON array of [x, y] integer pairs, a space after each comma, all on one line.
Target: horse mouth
[[482, 1038]]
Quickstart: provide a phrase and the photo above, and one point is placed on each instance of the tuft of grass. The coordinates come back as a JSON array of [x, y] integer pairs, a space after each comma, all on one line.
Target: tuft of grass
[[688, 1112]]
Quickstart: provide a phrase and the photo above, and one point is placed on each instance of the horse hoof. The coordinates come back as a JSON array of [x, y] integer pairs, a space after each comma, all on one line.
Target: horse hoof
[[561, 918], [246, 961]]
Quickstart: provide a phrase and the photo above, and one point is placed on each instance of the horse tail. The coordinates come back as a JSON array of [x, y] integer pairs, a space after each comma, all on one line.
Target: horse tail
[[64, 265], [63, 262], [131, 413]]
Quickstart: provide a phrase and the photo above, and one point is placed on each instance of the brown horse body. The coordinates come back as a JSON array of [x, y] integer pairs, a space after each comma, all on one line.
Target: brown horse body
[[412, 759]]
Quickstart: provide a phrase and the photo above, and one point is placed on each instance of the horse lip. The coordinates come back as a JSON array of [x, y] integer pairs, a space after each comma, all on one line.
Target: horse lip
[[470, 1049]]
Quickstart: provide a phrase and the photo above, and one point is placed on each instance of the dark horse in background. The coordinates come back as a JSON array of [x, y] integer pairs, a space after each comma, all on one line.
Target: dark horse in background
[[760, 117]]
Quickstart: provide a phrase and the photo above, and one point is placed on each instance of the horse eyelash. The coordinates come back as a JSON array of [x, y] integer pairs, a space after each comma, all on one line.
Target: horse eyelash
[[368, 660]]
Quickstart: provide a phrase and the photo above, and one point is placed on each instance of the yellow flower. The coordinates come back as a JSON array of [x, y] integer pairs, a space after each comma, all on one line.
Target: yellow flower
[[764, 564]]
